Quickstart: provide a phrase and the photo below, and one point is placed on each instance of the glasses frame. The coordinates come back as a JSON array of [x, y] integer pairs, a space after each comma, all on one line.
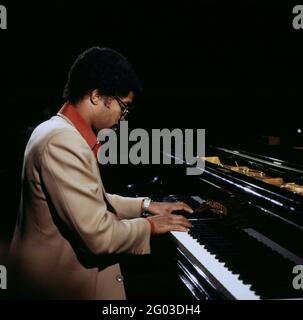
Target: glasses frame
[[125, 108]]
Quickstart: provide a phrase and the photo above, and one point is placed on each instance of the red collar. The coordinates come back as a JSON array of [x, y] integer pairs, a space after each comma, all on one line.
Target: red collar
[[81, 125]]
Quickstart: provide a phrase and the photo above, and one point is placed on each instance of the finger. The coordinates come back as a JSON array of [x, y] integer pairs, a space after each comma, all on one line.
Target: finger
[[188, 209], [180, 220], [184, 206], [175, 207], [179, 228], [187, 224]]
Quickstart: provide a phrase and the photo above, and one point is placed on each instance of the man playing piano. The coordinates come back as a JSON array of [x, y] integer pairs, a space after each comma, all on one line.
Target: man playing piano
[[70, 231]]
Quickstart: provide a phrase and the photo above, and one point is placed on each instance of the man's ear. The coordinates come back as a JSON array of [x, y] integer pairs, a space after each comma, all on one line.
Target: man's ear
[[95, 97]]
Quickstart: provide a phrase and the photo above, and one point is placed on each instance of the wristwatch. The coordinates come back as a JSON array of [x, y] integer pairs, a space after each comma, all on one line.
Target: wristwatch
[[146, 203]]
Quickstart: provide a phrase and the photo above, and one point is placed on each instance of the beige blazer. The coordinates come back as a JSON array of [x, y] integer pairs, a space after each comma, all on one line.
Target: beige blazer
[[69, 231]]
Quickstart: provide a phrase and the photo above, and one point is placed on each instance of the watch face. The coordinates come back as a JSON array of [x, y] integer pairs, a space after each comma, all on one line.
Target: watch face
[[146, 203]]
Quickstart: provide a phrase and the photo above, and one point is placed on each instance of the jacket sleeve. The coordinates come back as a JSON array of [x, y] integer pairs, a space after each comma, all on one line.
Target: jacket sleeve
[[126, 208], [76, 193]]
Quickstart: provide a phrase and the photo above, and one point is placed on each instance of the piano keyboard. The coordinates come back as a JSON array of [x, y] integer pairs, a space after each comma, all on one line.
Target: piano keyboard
[[229, 282], [239, 265]]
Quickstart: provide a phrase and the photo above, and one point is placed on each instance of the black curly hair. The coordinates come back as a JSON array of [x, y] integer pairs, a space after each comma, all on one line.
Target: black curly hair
[[103, 69]]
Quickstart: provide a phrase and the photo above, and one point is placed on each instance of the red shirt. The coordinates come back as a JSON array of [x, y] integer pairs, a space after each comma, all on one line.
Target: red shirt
[[81, 125]]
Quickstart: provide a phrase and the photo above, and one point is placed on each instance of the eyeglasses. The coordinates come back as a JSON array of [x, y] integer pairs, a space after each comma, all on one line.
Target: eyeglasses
[[125, 108]]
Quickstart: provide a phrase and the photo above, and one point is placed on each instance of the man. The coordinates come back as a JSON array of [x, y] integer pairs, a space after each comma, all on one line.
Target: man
[[69, 231]]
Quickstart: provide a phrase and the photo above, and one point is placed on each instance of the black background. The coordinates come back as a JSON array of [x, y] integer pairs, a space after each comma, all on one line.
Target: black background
[[202, 62]]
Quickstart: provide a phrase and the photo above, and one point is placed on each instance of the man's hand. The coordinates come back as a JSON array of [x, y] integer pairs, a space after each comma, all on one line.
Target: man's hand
[[169, 222], [165, 208]]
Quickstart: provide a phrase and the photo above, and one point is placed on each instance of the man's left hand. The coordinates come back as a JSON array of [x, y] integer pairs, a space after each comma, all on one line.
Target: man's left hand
[[163, 208]]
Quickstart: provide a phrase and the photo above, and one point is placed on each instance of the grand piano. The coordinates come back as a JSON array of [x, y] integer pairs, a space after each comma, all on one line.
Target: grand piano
[[247, 230]]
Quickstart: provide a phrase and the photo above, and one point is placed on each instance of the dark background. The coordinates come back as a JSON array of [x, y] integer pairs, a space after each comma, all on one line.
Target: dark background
[[234, 68], [200, 61]]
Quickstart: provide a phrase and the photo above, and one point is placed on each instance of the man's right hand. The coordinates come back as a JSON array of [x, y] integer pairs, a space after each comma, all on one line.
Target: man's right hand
[[169, 222]]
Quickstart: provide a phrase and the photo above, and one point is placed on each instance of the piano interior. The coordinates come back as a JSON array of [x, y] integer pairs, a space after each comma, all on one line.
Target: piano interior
[[247, 229], [257, 174]]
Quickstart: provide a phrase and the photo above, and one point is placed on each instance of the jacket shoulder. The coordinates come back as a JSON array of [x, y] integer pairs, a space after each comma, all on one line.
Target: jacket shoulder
[[55, 130]]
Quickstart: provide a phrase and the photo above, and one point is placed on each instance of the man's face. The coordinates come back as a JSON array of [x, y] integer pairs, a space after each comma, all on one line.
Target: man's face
[[108, 112]]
